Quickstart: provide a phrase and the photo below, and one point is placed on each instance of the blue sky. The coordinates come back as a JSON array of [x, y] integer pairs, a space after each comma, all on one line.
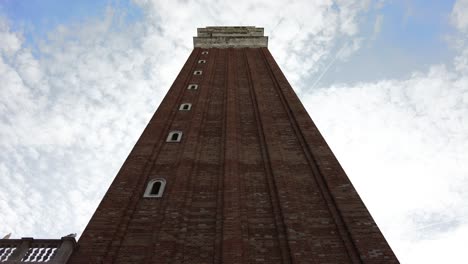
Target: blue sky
[[45, 15], [409, 31], [385, 82], [401, 46], [36, 18]]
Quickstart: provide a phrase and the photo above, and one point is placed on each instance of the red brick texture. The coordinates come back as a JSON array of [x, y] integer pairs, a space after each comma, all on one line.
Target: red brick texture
[[252, 180]]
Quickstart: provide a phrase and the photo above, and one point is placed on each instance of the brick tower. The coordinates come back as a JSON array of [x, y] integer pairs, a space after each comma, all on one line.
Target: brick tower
[[231, 169]]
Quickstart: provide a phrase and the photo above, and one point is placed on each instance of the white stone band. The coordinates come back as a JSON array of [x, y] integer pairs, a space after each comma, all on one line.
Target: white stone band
[[230, 37]]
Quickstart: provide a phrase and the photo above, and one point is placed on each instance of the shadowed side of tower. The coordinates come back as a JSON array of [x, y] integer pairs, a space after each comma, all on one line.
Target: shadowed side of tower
[[231, 169]]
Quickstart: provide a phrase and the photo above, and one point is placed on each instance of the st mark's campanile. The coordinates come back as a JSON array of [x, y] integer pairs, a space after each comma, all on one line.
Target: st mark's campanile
[[231, 169]]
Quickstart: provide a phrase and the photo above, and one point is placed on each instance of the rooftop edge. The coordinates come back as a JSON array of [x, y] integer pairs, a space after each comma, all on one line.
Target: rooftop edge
[[230, 37]]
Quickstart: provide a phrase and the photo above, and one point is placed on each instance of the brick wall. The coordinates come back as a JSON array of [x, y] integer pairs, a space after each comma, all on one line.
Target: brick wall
[[252, 180]]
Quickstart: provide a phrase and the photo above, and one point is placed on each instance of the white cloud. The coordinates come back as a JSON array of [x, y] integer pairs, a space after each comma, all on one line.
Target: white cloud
[[348, 14], [89, 94], [11, 42], [302, 33], [61, 118], [349, 48], [460, 14], [403, 143], [378, 24], [93, 85], [461, 61]]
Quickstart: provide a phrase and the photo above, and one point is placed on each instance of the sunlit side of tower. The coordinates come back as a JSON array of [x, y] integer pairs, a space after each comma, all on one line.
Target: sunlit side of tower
[[231, 169]]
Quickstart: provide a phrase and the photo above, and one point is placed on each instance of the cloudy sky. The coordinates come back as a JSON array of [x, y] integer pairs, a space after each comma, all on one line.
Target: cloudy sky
[[385, 81]]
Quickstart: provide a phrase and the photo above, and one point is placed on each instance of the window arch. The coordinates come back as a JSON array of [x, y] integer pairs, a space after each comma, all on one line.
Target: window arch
[[155, 188], [174, 136], [185, 107], [201, 61], [197, 73], [204, 52]]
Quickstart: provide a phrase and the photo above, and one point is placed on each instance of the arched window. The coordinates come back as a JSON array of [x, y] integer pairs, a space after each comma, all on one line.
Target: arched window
[[155, 188], [192, 87], [202, 61], [204, 52], [197, 73], [174, 136], [185, 107]]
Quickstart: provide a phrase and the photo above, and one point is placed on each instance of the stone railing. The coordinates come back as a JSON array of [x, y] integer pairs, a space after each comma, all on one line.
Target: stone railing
[[30, 250]]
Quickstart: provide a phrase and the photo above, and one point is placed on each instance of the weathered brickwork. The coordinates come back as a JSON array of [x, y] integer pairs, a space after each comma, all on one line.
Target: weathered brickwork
[[252, 180]]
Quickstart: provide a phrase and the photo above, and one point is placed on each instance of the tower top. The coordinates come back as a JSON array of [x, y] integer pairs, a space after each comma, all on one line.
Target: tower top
[[230, 37]]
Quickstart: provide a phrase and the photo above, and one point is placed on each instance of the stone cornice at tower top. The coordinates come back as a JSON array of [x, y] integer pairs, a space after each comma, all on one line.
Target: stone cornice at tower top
[[230, 37]]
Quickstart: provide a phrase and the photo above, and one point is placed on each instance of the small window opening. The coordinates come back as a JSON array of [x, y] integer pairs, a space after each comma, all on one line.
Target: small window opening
[[174, 136], [155, 188], [192, 87], [204, 52], [202, 61], [197, 73], [185, 107]]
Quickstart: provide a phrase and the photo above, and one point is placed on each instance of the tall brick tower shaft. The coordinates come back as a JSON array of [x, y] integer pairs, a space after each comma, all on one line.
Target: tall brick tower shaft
[[231, 169]]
